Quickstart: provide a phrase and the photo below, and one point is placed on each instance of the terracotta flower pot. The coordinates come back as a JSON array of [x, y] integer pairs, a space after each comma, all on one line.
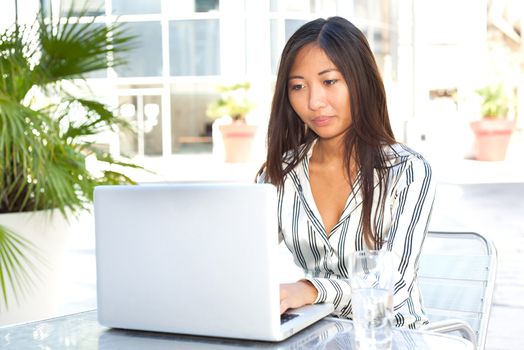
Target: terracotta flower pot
[[238, 140], [492, 136]]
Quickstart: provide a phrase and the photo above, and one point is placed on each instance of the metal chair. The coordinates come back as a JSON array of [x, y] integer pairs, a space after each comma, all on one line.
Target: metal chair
[[457, 277]]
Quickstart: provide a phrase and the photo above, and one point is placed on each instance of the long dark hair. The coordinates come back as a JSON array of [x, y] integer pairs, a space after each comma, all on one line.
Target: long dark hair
[[370, 129]]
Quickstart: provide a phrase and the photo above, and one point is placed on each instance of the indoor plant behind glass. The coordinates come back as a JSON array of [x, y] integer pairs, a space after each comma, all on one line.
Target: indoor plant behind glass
[[493, 132], [43, 149], [231, 109]]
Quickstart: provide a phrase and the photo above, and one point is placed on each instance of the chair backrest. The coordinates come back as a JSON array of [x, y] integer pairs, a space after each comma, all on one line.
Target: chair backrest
[[457, 277]]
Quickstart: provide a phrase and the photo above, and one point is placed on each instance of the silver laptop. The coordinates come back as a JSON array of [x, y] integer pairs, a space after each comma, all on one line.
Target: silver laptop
[[197, 259]]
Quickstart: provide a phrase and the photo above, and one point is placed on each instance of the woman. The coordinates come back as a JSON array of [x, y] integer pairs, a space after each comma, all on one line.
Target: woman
[[344, 183]]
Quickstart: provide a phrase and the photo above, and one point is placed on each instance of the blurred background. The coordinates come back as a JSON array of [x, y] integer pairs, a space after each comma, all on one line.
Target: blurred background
[[434, 57]]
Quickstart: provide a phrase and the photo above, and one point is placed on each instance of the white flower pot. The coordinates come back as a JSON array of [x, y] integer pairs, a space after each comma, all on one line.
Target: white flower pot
[[50, 232]]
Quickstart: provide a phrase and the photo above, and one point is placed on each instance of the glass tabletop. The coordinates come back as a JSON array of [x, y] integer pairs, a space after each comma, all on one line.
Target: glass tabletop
[[82, 331]]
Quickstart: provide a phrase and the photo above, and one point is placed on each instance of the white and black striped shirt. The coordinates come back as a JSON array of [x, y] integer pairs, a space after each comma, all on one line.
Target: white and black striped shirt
[[403, 224]]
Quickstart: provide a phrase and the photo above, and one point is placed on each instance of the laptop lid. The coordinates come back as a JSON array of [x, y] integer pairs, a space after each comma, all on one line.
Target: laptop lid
[[189, 258]]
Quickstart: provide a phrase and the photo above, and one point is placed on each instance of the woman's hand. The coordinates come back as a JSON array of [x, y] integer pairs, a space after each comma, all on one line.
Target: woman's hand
[[293, 295]]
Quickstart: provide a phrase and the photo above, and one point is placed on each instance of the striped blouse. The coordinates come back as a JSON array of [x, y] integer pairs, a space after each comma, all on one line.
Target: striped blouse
[[403, 224]]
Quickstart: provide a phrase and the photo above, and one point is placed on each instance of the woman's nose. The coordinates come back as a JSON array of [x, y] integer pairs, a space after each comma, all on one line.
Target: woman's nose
[[317, 98]]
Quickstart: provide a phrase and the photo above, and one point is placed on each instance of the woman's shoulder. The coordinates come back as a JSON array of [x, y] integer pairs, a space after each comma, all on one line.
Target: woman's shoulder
[[403, 161], [399, 154], [406, 166]]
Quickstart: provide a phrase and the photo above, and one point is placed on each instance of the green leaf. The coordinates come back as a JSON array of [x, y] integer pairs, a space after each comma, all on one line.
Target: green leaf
[[20, 263], [495, 101]]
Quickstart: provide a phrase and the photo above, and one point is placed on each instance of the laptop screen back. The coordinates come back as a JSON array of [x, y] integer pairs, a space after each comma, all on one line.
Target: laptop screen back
[[188, 258]]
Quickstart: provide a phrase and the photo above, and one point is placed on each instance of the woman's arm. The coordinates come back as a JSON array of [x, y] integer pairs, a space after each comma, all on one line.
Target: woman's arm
[[411, 211]]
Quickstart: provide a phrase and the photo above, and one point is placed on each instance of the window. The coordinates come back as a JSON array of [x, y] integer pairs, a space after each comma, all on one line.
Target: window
[[190, 6], [152, 125], [185, 48], [191, 128], [292, 5], [86, 8], [127, 7], [206, 5], [144, 113], [290, 26], [194, 47], [145, 60], [128, 137]]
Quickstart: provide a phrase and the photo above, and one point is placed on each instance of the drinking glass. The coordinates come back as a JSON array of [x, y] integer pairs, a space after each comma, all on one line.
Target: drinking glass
[[372, 299]]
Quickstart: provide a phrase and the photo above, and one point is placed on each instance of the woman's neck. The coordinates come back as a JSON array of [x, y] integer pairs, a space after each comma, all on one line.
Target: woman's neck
[[328, 151], [331, 154]]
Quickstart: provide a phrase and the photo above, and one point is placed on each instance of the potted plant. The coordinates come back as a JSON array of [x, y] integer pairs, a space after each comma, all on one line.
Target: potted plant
[[231, 110], [493, 132], [43, 147]]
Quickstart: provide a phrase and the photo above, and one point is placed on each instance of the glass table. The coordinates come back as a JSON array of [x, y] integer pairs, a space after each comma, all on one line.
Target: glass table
[[82, 331]]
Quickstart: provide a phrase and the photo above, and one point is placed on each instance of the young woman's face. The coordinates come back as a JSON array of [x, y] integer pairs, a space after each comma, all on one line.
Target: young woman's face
[[318, 93]]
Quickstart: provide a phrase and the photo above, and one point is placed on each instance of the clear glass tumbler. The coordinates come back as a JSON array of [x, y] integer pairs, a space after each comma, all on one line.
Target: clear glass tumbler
[[372, 299]]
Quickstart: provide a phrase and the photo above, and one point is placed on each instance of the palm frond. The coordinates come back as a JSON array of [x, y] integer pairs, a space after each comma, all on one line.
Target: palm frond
[[43, 148], [97, 118], [19, 266], [72, 49], [16, 56]]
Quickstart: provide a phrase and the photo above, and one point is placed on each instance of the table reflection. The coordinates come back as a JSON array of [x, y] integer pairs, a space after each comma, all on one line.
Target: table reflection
[[82, 331]]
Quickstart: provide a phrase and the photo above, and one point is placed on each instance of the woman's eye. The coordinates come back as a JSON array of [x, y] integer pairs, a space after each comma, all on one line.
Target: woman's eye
[[330, 81], [297, 86]]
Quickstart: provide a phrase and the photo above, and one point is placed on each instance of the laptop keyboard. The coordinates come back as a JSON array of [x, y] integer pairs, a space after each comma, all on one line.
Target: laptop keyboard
[[287, 317]]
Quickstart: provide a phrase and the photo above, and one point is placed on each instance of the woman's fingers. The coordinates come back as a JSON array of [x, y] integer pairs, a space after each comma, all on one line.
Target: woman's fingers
[[283, 306], [284, 295], [293, 295]]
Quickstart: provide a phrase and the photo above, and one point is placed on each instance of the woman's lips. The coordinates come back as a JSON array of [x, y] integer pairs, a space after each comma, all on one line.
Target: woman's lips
[[321, 121]]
